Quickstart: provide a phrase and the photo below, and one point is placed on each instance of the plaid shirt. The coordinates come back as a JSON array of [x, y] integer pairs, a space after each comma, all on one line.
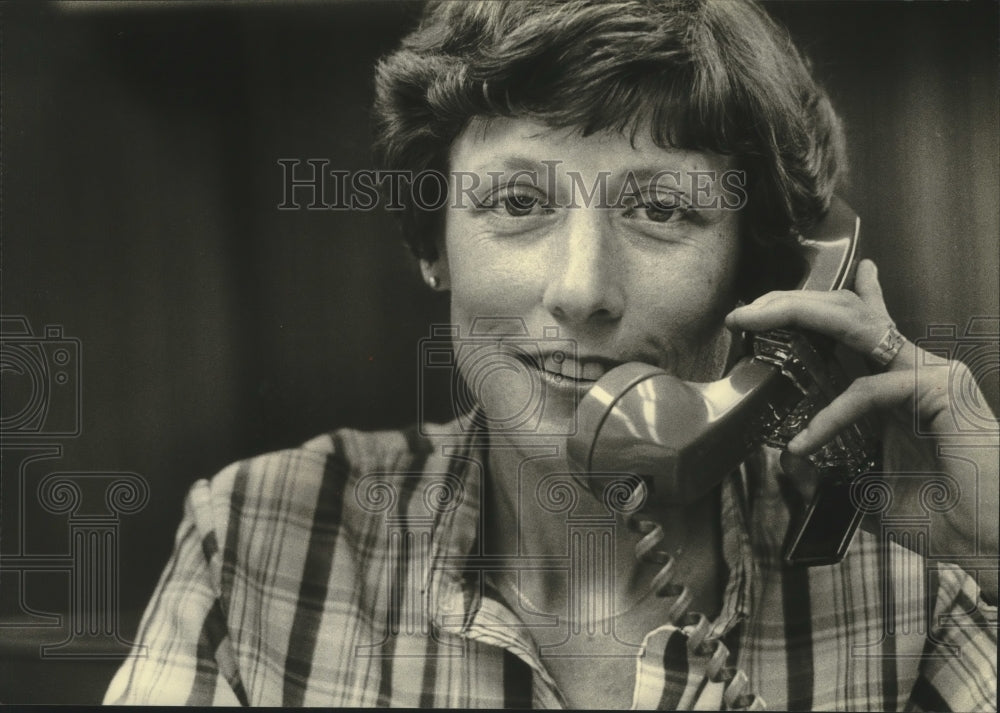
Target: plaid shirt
[[344, 573]]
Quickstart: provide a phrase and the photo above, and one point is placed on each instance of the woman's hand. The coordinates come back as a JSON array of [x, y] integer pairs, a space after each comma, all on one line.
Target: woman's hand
[[894, 396]]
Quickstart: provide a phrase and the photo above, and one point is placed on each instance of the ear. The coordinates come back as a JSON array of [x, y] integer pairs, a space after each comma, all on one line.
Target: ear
[[435, 273]]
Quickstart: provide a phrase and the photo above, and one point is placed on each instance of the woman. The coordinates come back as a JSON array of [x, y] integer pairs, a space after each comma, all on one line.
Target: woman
[[621, 177]]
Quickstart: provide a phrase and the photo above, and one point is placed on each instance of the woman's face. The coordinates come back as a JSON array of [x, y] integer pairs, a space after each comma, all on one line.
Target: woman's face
[[556, 279]]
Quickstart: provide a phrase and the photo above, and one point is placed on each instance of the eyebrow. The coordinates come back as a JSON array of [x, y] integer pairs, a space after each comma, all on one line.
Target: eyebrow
[[522, 163], [645, 174], [511, 163], [672, 179]]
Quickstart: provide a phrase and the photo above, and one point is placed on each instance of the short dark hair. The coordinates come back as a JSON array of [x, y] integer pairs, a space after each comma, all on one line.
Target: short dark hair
[[713, 75]]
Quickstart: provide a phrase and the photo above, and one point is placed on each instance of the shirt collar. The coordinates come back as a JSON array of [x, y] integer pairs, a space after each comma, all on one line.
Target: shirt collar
[[455, 592]]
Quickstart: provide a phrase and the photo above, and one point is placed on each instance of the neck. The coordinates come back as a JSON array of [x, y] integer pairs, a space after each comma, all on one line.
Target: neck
[[533, 508]]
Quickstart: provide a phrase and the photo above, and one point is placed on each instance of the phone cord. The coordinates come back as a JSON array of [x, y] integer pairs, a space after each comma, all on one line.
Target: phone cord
[[694, 625]]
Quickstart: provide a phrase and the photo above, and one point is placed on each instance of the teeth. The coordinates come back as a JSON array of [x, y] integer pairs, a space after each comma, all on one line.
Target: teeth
[[566, 366], [555, 365]]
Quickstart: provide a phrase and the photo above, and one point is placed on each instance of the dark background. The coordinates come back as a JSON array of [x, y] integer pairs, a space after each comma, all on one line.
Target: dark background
[[140, 188]]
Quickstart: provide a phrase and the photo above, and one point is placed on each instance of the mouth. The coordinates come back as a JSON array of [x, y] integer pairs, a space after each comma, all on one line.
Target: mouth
[[562, 370]]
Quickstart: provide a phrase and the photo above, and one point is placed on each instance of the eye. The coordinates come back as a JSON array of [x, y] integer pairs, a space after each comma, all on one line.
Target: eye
[[518, 204], [517, 201], [660, 211], [661, 208]]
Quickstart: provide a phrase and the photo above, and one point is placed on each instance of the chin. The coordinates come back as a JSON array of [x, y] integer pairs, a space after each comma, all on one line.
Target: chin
[[511, 415], [707, 363]]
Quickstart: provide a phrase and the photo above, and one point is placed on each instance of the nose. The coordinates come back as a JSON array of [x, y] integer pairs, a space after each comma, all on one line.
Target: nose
[[584, 287]]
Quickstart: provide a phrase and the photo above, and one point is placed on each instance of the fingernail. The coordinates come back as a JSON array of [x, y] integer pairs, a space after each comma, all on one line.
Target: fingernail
[[796, 445]]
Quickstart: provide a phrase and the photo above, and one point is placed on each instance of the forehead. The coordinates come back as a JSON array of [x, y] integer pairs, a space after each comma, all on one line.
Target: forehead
[[511, 143]]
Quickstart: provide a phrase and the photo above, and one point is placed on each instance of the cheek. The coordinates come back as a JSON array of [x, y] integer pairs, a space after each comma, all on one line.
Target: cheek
[[695, 295], [681, 308], [482, 299], [489, 280], [717, 290], [716, 276]]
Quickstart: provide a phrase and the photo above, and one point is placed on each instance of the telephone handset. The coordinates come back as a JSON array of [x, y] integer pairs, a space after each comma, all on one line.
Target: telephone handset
[[683, 438]]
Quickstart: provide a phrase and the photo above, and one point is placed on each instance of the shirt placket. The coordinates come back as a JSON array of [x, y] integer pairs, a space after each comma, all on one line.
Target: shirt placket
[[461, 605]]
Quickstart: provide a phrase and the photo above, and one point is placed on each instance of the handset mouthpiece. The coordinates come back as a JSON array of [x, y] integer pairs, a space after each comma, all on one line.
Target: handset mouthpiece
[[681, 437]]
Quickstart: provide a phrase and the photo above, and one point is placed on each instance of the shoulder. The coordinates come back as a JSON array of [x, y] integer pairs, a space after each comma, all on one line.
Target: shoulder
[[292, 479], [281, 500]]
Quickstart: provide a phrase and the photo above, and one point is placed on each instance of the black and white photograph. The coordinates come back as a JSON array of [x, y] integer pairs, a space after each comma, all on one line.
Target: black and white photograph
[[587, 354]]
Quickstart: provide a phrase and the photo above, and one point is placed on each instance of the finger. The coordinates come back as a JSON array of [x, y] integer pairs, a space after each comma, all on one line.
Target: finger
[[867, 286], [862, 397], [803, 474], [837, 296], [844, 318], [775, 304]]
